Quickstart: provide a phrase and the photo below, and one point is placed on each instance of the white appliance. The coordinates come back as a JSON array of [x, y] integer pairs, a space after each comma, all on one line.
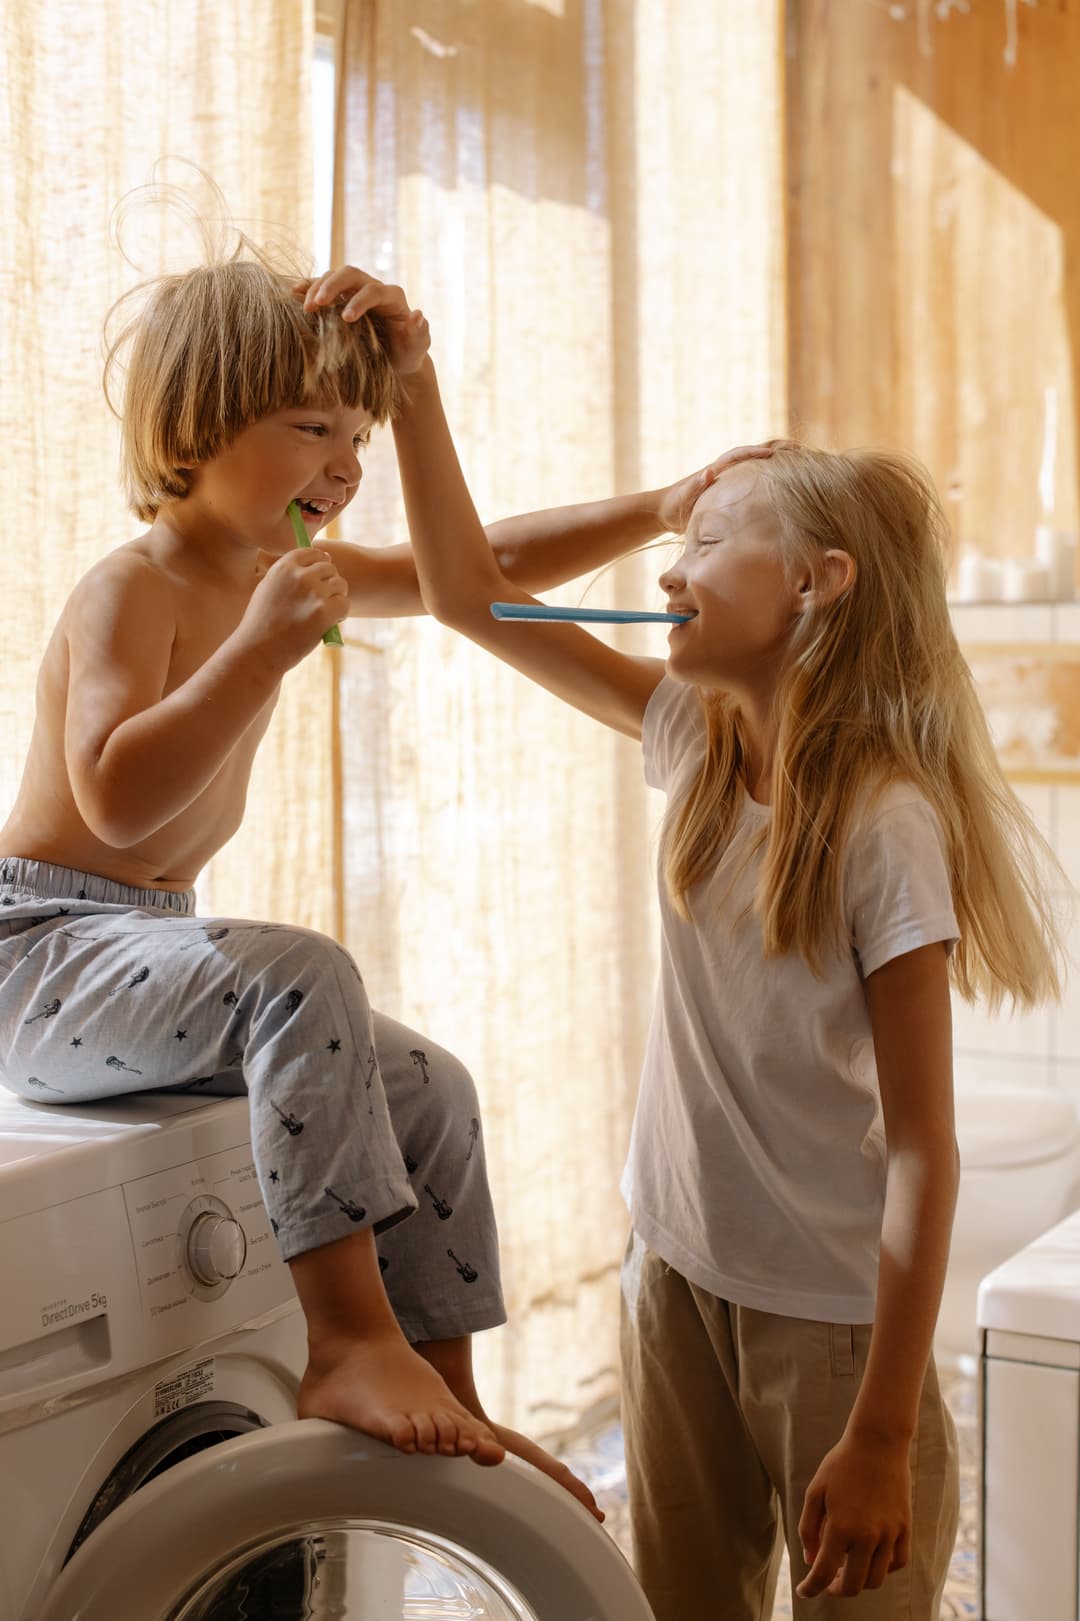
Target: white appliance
[[151, 1464], [1029, 1318], [1019, 1173]]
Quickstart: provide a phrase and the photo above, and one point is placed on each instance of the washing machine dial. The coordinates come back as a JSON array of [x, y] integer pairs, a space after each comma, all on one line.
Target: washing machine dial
[[213, 1246], [216, 1248]]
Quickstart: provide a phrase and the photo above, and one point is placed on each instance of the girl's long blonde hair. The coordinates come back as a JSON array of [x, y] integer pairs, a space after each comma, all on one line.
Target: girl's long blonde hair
[[875, 690]]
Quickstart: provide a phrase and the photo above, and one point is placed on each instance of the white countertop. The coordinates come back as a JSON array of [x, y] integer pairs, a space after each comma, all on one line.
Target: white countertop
[[1037, 1290]]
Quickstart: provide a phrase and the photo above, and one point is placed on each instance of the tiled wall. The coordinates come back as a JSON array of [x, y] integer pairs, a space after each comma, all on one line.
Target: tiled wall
[[1040, 1049]]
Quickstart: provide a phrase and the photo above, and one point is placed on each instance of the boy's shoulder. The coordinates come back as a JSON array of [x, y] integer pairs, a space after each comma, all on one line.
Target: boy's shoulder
[[130, 566], [127, 582]]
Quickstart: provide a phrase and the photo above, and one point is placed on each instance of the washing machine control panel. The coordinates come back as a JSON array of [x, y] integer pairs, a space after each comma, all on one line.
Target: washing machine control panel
[[204, 1251], [142, 1238]]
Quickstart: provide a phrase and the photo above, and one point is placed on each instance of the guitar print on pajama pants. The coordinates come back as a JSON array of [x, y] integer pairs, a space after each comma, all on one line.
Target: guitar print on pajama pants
[[355, 1119]]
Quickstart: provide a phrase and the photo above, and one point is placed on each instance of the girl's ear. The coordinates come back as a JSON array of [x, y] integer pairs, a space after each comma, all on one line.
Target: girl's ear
[[838, 577], [841, 573]]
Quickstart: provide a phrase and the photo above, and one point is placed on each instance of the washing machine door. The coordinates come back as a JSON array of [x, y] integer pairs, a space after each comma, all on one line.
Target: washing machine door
[[308, 1521]]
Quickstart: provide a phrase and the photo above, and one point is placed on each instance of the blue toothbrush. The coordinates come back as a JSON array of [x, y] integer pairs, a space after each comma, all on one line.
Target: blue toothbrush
[[607, 616]]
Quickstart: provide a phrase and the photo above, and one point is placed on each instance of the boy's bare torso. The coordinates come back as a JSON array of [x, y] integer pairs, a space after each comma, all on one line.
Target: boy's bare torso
[[45, 823]]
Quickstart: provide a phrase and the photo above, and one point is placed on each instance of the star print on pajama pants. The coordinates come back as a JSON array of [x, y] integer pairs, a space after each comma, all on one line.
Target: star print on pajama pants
[[356, 1120]]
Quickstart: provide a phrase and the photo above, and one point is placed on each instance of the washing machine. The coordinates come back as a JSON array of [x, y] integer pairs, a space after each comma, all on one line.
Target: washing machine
[[151, 1464], [1029, 1483]]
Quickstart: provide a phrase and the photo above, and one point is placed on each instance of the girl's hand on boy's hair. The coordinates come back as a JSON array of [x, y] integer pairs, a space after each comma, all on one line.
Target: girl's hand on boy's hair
[[300, 596], [361, 294], [677, 501], [856, 1521]]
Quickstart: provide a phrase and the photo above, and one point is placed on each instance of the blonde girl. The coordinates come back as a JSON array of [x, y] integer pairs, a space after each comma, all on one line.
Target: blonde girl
[[839, 847]]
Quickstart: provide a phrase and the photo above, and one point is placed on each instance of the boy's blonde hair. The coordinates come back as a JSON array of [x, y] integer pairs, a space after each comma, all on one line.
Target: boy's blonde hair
[[212, 350], [875, 690]]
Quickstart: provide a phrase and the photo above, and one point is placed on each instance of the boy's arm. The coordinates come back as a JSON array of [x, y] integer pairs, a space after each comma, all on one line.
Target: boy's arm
[[136, 756], [460, 571], [535, 550]]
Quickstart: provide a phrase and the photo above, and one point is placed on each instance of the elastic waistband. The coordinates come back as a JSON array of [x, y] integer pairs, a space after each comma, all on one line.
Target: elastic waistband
[[22, 880]]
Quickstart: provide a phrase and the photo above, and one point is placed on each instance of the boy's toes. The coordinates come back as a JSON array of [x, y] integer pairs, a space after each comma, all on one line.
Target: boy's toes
[[577, 1488], [488, 1449], [426, 1433], [401, 1432], [452, 1438]]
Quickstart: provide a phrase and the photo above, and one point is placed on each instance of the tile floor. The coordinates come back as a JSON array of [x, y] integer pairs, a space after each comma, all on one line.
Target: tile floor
[[598, 1457]]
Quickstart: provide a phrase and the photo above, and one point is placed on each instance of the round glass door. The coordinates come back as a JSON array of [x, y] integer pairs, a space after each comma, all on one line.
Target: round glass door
[[307, 1521], [353, 1570]]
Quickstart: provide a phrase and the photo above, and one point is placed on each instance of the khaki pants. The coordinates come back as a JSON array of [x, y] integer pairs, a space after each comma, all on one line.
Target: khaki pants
[[727, 1413]]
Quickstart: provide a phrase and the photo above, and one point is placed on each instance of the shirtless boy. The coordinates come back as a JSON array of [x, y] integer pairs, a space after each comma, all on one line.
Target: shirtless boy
[[155, 690]]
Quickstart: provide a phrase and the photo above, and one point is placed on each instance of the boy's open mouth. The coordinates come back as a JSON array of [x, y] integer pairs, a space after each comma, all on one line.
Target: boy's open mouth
[[316, 509]]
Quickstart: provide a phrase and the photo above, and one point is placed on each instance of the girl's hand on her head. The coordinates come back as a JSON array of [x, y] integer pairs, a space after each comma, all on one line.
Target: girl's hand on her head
[[677, 501], [361, 294]]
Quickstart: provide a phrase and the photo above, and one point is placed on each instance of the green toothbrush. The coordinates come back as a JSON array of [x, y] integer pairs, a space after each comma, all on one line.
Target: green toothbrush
[[331, 637]]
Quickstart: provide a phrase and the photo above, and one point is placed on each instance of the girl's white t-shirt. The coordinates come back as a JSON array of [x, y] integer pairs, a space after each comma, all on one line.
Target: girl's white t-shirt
[[757, 1159]]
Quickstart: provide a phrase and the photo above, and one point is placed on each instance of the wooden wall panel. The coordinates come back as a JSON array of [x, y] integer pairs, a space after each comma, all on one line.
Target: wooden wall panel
[[1030, 696], [934, 244]]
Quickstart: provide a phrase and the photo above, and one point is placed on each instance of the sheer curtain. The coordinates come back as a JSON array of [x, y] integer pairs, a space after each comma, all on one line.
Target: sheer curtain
[[586, 198], [90, 97]]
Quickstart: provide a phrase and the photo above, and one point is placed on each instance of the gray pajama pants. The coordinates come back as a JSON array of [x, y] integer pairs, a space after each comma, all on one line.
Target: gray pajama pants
[[356, 1121]]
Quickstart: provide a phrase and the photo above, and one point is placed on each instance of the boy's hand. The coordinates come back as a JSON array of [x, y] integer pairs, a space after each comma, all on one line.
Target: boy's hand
[[410, 335], [856, 1521], [299, 597], [677, 501]]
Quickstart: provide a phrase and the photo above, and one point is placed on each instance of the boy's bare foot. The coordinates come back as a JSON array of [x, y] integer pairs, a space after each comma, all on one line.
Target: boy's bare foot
[[383, 1388], [452, 1359], [533, 1453]]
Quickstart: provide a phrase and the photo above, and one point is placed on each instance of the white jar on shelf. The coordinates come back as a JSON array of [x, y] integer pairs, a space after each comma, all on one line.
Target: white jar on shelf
[[1026, 580], [979, 579], [1055, 550]]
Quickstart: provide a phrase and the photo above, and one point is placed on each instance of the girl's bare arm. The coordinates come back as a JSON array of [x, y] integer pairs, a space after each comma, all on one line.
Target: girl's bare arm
[[856, 1523], [911, 1019], [460, 577]]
